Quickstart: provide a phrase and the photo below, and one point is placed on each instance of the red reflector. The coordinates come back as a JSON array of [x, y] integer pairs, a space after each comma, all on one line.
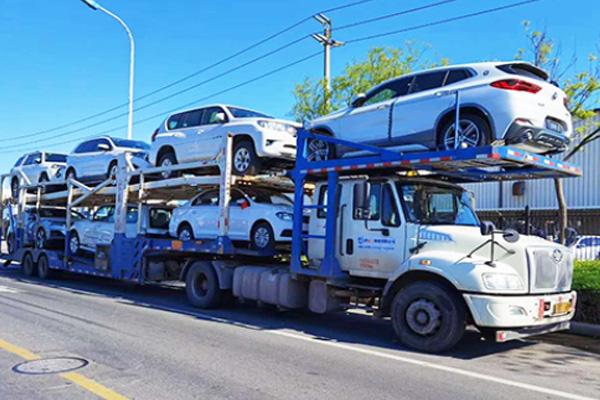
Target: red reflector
[[500, 336], [541, 309], [516, 84], [494, 156]]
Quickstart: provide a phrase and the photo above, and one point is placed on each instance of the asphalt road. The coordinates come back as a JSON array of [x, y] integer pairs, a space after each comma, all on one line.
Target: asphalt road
[[147, 343]]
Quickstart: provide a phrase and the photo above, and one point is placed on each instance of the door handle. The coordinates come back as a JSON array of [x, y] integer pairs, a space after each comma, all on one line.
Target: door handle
[[383, 107]]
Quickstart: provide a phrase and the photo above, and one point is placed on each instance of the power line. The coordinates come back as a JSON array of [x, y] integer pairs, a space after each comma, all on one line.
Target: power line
[[189, 76], [356, 40]]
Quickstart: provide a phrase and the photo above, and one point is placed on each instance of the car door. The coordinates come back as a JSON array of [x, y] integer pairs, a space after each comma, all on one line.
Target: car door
[[241, 215], [104, 154], [98, 230], [369, 122], [83, 159], [209, 135], [184, 128], [30, 168], [205, 214], [415, 114]]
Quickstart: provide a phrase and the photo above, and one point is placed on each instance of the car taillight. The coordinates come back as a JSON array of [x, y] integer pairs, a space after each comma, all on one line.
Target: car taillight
[[154, 134], [516, 84]]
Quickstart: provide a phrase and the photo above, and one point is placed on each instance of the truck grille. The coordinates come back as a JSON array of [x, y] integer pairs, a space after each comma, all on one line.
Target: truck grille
[[550, 270]]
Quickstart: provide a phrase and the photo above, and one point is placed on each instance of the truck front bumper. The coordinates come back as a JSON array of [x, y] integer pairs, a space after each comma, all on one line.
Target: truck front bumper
[[522, 314]]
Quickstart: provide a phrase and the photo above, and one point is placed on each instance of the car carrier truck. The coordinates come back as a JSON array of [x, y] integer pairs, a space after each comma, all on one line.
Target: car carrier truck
[[391, 233]]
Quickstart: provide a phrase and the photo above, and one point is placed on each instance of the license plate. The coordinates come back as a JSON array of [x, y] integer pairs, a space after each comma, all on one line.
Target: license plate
[[555, 126], [561, 308]]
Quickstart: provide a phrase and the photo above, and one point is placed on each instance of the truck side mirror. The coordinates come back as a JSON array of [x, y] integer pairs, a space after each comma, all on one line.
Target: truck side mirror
[[487, 228], [511, 236], [359, 100], [361, 195]]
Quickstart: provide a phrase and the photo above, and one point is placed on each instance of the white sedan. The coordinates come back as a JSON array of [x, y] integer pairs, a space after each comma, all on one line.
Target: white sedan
[[507, 102], [259, 141], [86, 234], [586, 248], [259, 216]]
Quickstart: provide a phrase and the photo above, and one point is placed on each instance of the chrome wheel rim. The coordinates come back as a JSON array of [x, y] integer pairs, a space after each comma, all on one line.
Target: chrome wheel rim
[[318, 150], [185, 235], [165, 164], [423, 317], [241, 159], [469, 135], [113, 171], [262, 237], [74, 244]]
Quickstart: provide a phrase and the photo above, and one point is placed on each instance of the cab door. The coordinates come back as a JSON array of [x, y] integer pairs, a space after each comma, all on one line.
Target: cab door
[[373, 236]]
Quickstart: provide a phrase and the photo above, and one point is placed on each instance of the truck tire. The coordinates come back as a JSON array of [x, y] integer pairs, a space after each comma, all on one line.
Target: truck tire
[[244, 160], [43, 267], [429, 317], [202, 286], [29, 267]]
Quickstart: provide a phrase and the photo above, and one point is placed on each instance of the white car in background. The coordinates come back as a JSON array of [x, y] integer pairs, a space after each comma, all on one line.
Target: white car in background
[[86, 234], [586, 248], [259, 141], [96, 159], [501, 102], [260, 216], [35, 168]]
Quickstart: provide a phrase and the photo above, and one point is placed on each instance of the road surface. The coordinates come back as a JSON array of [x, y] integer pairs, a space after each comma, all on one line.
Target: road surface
[[147, 343]]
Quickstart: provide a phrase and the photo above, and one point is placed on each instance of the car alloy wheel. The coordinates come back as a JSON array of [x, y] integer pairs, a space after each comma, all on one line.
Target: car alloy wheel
[[262, 237], [74, 243], [241, 159], [318, 150], [469, 135], [185, 233], [166, 163], [40, 239]]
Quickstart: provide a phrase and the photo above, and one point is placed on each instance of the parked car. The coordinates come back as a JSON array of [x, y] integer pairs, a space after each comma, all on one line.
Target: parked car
[[260, 216], [96, 159], [586, 248], [196, 135], [99, 228], [509, 102], [35, 167], [45, 227]]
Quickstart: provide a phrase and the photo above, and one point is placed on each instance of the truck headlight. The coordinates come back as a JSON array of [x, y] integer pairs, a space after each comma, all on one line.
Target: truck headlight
[[501, 281], [286, 216], [277, 126]]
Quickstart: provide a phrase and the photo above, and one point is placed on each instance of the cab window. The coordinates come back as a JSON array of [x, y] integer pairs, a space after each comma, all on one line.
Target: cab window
[[322, 212], [390, 216]]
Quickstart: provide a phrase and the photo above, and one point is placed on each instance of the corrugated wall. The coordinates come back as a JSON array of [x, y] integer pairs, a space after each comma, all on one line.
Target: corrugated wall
[[581, 193]]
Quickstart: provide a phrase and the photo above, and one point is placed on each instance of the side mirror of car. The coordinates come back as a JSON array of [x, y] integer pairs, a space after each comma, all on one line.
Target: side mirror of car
[[359, 100], [361, 194], [220, 118], [103, 147]]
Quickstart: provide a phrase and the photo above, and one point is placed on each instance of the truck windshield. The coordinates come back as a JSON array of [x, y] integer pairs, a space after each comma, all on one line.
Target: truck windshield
[[430, 204]]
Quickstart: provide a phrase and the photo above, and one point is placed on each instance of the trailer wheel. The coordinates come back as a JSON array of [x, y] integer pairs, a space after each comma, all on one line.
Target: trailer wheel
[[44, 271], [202, 286], [29, 267], [428, 317]]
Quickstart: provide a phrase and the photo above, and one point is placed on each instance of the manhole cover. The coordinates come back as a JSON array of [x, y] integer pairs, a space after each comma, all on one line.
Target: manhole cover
[[55, 365]]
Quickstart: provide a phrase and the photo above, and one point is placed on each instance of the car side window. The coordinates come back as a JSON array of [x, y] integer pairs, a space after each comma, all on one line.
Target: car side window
[[100, 142], [396, 88], [32, 159], [427, 81], [174, 121], [191, 118], [210, 115], [103, 214], [87, 147], [457, 75], [210, 198]]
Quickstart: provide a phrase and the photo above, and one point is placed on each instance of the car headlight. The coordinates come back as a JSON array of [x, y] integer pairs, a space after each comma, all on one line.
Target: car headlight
[[277, 126], [501, 281], [286, 216]]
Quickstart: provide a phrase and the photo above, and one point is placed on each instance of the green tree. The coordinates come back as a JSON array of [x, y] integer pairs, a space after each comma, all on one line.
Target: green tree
[[582, 88], [381, 64]]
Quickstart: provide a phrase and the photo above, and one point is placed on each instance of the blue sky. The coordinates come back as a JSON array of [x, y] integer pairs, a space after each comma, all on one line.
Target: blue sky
[[61, 61]]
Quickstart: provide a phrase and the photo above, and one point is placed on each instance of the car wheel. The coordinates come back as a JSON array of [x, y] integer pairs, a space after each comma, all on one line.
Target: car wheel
[[70, 175], [474, 131], [167, 160], [428, 317], [185, 232], [43, 267], [74, 243], [40, 239], [43, 178], [202, 286], [262, 237], [29, 267], [14, 188], [244, 160], [112, 170], [319, 150]]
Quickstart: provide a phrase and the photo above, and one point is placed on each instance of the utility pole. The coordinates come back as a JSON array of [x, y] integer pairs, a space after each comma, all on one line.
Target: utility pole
[[327, 42]]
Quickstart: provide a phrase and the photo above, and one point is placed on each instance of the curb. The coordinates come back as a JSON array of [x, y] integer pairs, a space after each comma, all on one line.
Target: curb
[[582, 328]]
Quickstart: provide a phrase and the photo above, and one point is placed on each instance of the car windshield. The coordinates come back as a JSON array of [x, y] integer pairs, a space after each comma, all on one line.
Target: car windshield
[[430, 204], [268, 197], [53, 157], [242, 113], [133, 144]]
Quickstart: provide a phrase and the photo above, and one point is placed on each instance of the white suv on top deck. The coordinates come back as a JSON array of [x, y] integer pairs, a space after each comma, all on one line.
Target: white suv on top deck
[[505, 102], [197, 135], [35, 168]]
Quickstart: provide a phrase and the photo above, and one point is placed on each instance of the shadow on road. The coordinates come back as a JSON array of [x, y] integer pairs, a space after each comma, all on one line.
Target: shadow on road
[[348, 327]]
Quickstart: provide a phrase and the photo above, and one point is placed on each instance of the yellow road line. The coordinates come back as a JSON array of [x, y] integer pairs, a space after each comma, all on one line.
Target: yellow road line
[[88, 384]]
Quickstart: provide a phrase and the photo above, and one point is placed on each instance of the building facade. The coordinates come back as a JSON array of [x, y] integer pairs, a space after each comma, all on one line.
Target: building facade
[[533, 203]]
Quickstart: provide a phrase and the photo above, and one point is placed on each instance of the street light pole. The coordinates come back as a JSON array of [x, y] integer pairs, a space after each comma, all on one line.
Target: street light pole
[[327, 42], [95, 6]]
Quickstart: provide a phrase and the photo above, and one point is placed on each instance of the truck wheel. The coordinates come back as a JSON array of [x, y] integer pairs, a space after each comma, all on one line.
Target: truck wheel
[[202, 286], [29, 267], [428, 317], [167, 160], [244, 160], [262, 236], [43, 267]]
